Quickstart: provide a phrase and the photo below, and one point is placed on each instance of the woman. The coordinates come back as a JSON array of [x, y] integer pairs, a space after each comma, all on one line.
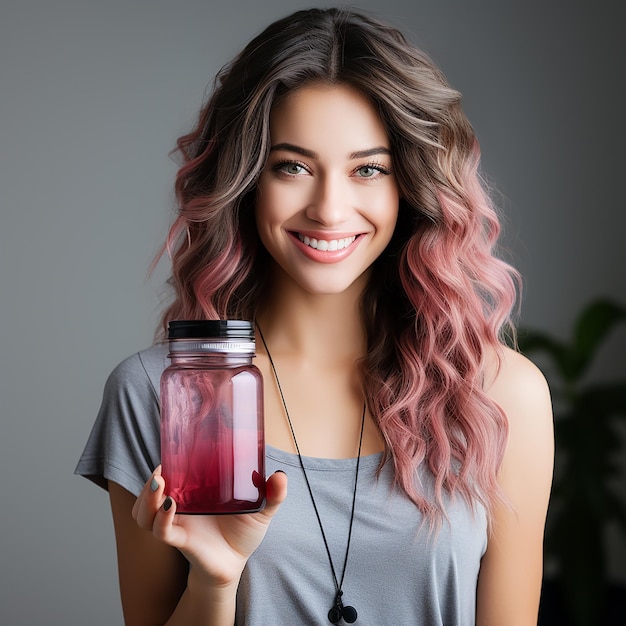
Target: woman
[[330, 193]]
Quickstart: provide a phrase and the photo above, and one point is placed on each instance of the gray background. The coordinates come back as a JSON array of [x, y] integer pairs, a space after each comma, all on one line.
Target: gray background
[[92, 98]]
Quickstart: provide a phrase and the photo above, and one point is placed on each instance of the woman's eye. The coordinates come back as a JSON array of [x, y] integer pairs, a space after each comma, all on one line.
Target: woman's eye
[[291, 168], [371, 171], [367, 171]]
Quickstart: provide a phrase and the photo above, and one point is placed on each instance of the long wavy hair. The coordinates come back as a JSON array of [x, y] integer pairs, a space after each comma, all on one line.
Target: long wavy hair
[[438, 300]]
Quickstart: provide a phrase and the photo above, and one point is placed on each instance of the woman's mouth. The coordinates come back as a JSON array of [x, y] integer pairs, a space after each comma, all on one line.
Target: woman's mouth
[[324, 245]]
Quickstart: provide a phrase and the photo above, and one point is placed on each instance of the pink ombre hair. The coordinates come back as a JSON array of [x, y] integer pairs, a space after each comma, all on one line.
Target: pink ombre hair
[[439, 299]]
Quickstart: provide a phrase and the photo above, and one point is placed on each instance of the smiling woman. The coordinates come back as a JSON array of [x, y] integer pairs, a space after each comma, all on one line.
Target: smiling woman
[[330, 192]]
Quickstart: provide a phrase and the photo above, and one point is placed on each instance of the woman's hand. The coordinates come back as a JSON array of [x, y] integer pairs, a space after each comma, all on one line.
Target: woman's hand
[[216, 546]]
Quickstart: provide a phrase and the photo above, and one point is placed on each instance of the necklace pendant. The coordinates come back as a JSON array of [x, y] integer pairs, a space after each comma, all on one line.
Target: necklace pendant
[[334, 615], [349, 614], [339, 611]]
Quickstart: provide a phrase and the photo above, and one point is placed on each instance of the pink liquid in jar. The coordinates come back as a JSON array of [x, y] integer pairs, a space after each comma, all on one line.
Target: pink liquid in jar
[[212, 431]]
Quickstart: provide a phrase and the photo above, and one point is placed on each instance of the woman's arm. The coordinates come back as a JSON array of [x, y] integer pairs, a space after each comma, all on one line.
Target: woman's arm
[[155, 548], [152, 575], [509, 583]]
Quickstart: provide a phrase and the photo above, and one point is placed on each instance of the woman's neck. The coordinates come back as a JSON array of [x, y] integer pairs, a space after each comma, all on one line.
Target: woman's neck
[[320, 327]]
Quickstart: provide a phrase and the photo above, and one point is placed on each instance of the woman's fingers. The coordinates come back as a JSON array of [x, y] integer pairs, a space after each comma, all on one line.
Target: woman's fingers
[[164, 528], [276, 492], [156, 512], [149, 500]]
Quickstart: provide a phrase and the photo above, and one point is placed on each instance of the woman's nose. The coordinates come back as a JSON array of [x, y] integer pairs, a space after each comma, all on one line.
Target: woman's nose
[[331, 201]]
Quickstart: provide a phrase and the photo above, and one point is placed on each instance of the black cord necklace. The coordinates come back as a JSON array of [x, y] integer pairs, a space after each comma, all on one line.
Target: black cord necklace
[[338, 610]]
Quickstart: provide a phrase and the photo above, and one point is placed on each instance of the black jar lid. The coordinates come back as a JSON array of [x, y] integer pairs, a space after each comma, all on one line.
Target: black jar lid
[[201, 329]]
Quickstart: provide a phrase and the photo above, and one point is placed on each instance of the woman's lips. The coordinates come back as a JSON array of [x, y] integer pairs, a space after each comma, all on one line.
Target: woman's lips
[[325, 250]]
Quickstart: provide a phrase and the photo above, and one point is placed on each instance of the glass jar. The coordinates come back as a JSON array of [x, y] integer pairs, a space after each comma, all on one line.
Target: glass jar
[[212, 430]]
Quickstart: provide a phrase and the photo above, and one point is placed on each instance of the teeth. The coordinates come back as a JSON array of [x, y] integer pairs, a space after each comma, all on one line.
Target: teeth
[[324, 245]]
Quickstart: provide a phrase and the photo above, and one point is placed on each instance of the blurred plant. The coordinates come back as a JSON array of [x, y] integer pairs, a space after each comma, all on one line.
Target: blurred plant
[[583, 500]]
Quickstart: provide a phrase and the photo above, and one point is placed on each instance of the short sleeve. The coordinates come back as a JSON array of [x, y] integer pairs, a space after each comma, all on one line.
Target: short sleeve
[[124, 444]]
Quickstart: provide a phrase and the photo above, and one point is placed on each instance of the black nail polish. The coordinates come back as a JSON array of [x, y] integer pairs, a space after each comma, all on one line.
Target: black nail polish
[[167, 505]]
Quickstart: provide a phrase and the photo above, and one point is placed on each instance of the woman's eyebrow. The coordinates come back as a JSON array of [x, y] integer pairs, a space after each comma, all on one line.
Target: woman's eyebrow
[[290, 147], [370, 152], [360, 154]]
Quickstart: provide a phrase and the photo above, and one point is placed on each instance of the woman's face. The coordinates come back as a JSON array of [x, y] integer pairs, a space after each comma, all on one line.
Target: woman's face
[[327, 199]]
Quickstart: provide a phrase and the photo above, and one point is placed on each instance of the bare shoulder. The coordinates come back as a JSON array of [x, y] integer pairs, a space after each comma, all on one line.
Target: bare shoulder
[[520, 388], [513, 372]]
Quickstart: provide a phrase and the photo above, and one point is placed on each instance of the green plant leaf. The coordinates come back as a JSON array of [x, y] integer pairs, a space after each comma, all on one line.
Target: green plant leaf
[[593, 325]]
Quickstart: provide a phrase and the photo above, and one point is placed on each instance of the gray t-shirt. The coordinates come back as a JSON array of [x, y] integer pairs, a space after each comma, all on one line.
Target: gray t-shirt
[[398, 572]]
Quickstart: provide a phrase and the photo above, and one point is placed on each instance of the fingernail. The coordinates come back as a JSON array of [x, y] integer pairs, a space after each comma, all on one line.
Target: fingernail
[[167, 505], [280, 472], [154, 485]]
